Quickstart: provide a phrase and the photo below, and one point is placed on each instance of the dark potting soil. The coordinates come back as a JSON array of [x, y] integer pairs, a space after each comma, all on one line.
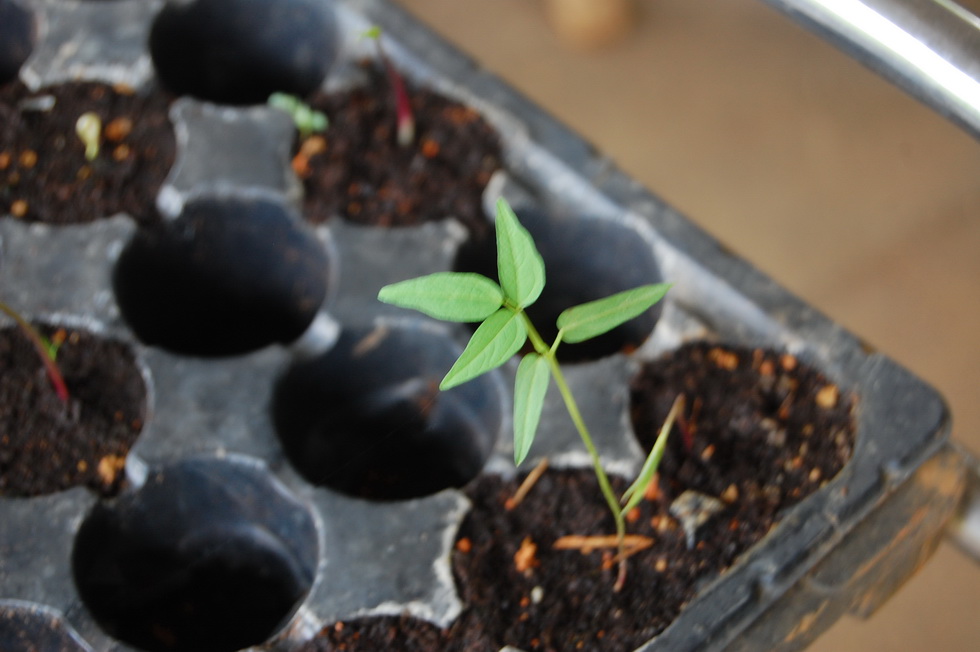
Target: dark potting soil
[[763, 431], [44, 175], [356, 168], [47, 445], [761, 420]]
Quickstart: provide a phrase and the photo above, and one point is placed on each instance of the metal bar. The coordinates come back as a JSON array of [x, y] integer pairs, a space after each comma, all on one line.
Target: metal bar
[[931, 48]]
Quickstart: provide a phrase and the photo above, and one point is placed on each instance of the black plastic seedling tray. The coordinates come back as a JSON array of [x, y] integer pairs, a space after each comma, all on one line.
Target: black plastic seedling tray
[[211, 463]]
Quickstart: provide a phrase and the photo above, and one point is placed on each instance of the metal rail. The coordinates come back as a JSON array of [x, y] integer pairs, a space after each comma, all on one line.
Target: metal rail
[[964, 529], [931, 48]]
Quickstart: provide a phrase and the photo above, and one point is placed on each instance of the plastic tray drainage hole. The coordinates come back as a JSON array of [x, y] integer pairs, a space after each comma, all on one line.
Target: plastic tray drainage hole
[[585, 259], [368, 418], [226, 277], [241, 51], [18, 34], [206, 555]]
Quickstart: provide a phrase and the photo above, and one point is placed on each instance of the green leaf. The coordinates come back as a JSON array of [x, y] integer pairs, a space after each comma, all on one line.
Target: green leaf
[[519, 265], [634, 495], [530, 388], [284, 101], [494, 342], [594, 318], [451, 296]]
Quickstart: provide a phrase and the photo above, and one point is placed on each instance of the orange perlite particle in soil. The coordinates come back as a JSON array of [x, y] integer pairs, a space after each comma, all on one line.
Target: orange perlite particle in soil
[[118, 129], [652, 492], [109, 468], [308, 149], [525, 558], [724, 359], [18, 208], [430, 148], [827, 396], [28, 158], [730, 494]]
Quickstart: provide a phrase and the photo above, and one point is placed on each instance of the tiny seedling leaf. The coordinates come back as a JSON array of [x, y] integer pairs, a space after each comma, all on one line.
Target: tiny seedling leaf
[[519, 265], [45, 348], [530, 388], [594, 318], [494, 342], [634, 494], [450, 296], [305, 117], [89, 130]]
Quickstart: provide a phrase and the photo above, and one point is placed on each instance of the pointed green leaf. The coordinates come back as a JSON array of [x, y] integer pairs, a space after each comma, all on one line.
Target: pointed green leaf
[[494, 342], [530, 388], [451, 296], [519, 265], [594, 318], [634, 495]]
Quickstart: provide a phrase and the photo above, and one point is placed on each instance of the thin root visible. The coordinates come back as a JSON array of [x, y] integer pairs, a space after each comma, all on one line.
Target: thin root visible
[[528, 484]]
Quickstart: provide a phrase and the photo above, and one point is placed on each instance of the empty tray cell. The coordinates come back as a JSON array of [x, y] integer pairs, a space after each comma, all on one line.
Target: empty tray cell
[[227, 276], [18, 33], [585, 259], [206, 555], [368, 419], [242, 51]]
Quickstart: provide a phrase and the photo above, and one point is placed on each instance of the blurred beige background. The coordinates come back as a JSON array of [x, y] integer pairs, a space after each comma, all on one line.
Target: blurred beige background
[[828, 178]]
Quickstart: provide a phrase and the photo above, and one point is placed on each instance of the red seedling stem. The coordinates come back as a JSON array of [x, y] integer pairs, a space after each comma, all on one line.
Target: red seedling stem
[[54, 374], [406, 121], [405, 118], [686, 425]]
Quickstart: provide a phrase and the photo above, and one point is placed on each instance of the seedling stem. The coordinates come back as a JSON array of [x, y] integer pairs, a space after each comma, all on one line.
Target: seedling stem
[[46, 350], [505, 327], [405, 118]]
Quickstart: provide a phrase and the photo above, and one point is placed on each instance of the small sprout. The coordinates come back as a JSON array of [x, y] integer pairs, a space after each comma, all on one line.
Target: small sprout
[[506, 327], [403, 105], [89, 130], [308, 120], [46, 350]]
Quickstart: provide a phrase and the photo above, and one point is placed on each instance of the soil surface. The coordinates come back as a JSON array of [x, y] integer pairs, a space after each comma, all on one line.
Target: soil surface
[[44, 174], [356, 168], [761, 432], [47, 445]]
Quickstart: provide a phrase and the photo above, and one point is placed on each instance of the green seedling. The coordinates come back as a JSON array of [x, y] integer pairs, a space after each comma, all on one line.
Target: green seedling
[[308, 120], [89, 130], [46, 349], [405, 118], [505, 328]]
